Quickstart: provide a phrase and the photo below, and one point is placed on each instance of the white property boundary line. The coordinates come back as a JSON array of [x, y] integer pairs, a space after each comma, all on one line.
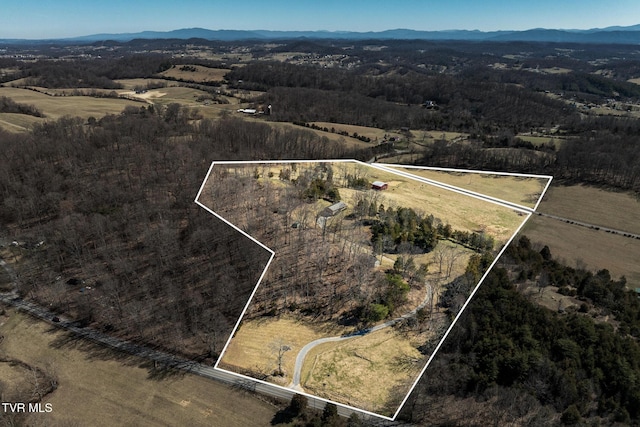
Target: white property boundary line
[[386, 168], [389, 168]]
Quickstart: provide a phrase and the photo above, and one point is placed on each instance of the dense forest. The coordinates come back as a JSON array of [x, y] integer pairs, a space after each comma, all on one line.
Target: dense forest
[[530, 365], [112, 204]]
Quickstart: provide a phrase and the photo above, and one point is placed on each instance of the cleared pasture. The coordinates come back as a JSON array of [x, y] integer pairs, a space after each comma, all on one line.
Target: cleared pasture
[[333, 137], [196, 73], [131, 84], [617, 210], [521, 190], [462, 212], [421, 136], [14, 122], [376, 135], [15, 381], [100, 387], [540, 140], [595, 249], [54, 107], [254, 345], [377, 369]]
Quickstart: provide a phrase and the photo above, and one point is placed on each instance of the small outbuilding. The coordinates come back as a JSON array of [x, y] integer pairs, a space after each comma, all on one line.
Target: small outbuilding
[[379, 185], [334, 209]]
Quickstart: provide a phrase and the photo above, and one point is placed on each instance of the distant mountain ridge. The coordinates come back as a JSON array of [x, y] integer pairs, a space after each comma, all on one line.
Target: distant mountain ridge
[[615, 35]]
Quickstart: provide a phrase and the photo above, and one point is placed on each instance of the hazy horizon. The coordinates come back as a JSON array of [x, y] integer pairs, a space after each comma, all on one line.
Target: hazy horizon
[[31, 19]]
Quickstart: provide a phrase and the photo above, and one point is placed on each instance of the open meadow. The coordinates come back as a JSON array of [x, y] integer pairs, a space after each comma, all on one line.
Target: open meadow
[[377, 370], [16, 122], [196, 73], [377, 135], [100, 387], [255, 344], [462, 212], [613, 209], [524, 191], [592, 247], [55, 107], [586, 247]]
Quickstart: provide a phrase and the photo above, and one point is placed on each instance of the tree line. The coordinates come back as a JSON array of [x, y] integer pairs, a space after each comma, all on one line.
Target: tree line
[[506, 348]]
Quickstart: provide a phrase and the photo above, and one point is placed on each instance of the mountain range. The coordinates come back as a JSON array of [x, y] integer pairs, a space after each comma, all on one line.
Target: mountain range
[[613, 35]]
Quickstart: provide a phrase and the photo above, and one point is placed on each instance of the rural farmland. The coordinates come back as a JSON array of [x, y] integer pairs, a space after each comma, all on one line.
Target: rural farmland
[[404, 279]]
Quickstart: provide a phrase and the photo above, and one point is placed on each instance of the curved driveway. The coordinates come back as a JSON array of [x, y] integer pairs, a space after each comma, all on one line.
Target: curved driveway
[[297, 371]]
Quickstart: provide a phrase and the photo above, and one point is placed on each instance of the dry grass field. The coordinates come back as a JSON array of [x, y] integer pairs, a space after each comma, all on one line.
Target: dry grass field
[[333, 137], [617, 210], [376, 369], [200, 75], [539, 140], [376, 135], [421, 136], [462, 212], [15, 381], [131, 84], [594, 249], [523, 191], [254, 346], [14, 122], [99, 387], [54, 107]]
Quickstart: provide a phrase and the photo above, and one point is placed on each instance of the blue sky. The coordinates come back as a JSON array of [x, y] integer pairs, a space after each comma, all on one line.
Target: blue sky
[[34, 19]]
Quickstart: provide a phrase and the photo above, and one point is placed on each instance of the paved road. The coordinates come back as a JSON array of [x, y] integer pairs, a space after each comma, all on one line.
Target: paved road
[[302, 354], [166, 360]]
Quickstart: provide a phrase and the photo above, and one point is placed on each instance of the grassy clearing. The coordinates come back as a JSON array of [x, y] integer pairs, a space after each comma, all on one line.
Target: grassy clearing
[[99, 387], [372, 368], [618, 210], [636, 81], [14, 122], [540, 140], [200, 75], [15, 382], [131, 84], [556, 70], [523, 191], [254, 346], [430, 136], [333, 137], [376, 135], [462, 212], [595, 249], [55, 107]]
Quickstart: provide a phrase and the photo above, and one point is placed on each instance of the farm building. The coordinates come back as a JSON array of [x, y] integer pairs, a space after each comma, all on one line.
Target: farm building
[[379, 185], [333, 210]]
